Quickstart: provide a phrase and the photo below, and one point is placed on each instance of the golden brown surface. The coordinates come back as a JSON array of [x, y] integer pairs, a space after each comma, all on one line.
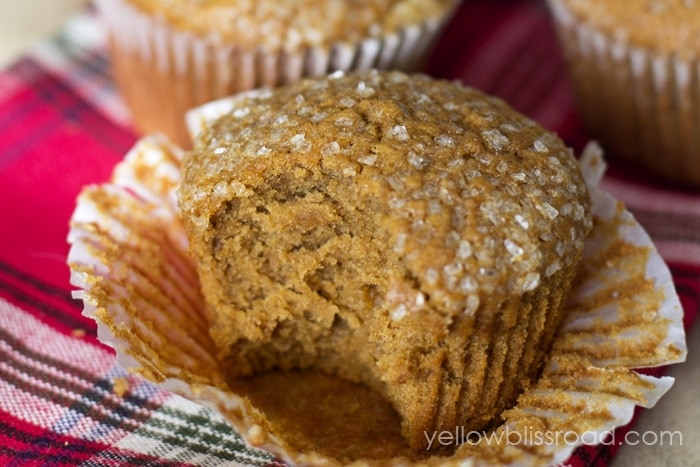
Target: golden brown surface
[[290, 24], [413, 235], [665, 25]]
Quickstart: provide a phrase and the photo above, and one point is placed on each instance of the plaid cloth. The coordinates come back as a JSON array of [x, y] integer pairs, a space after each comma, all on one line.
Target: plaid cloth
[[63, 401]]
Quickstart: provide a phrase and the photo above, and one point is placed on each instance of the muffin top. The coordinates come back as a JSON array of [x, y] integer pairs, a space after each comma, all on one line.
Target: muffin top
[[288, 24], [664, 25], [472, 197]]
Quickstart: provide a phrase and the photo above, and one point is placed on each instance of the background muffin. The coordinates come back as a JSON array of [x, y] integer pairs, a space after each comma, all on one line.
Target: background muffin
[[410, 234], [634, 68], [170, 56]]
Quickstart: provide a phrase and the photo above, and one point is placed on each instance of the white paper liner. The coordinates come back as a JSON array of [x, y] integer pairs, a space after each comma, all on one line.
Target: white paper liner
[[204, 68], [129, 262], [642, 104]]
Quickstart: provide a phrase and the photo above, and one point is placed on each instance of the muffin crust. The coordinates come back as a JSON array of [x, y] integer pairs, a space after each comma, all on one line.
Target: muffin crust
[[290, 24], [662, 25], [410, 234]]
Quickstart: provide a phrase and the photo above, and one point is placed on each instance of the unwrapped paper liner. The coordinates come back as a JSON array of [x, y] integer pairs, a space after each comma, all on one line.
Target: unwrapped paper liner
[[130, 263]]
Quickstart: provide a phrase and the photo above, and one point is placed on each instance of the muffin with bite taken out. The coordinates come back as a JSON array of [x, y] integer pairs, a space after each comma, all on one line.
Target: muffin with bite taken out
[[410, 234]]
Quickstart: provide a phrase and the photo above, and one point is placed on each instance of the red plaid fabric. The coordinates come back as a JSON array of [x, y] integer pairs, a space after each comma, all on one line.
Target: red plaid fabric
[[63, 401]]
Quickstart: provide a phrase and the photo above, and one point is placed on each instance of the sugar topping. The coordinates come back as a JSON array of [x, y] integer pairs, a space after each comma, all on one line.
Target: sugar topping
[[474, 200]]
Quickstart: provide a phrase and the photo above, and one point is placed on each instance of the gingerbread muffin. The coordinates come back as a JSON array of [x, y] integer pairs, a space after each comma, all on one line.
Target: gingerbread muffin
[[169, 56], [634, 69], [407, 233]]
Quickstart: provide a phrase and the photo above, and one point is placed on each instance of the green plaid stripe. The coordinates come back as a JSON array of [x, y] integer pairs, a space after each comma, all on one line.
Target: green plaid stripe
[[186, 432]]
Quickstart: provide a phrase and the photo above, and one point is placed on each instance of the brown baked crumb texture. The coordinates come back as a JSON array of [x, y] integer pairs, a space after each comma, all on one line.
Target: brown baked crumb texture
[[409, 234], [331, 416]]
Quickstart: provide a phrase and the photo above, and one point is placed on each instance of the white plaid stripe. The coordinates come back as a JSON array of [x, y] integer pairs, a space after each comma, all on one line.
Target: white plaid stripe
[[187, 432], [42, 394], [47, 341]]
